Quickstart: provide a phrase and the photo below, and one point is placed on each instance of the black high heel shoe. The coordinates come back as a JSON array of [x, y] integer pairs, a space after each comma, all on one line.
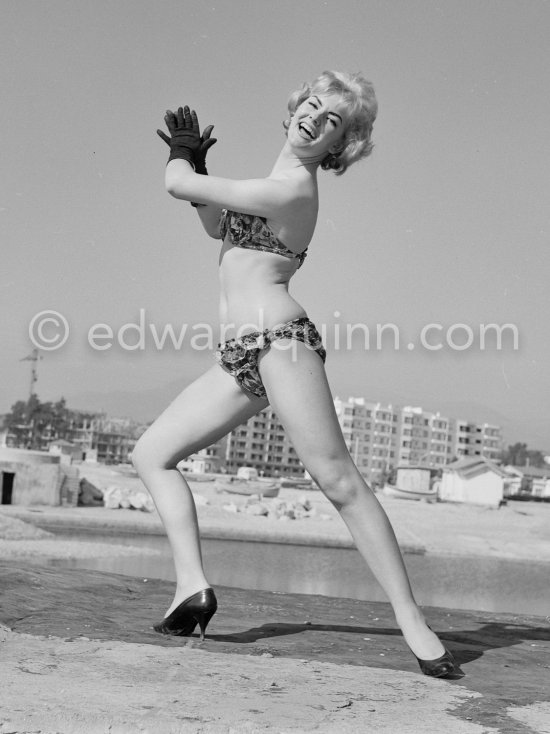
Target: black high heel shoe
[[196, 609], [439, 667]]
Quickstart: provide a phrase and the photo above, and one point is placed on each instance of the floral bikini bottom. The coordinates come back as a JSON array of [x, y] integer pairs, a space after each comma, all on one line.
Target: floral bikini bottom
[[239, 356]]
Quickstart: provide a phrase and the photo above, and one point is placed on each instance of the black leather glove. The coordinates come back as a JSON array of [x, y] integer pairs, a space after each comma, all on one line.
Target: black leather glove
[[206, 143], [185, 139], [199, 159]]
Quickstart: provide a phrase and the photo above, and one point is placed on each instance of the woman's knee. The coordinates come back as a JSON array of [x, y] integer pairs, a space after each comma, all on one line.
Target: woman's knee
[[341, 484], [148, 456], [142, 457]]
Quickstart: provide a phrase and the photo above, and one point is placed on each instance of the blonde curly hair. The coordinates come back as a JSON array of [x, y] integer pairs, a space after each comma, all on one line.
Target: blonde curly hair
[[358, 94]]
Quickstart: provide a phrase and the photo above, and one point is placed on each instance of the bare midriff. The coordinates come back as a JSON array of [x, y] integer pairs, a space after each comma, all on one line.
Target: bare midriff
[[254, 290]]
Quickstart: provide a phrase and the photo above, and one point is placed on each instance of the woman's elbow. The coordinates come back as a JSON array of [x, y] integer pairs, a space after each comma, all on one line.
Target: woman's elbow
[[173, 188], [174, 185], [176, 179]]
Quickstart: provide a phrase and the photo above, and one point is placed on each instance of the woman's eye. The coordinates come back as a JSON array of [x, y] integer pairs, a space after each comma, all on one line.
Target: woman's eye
[[313, 105], [333, 122]]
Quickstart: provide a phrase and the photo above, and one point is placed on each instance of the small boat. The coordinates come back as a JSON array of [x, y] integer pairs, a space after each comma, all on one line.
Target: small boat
[[297, 483], [262, 487], [414, 483], [408, 494]]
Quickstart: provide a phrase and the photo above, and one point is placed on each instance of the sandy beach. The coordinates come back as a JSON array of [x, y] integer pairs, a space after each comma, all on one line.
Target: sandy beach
[[519, 530], [82, 641]]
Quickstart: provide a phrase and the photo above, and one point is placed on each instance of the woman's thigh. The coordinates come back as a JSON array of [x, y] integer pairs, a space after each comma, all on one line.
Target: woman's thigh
[[203, 413], [299, 393]]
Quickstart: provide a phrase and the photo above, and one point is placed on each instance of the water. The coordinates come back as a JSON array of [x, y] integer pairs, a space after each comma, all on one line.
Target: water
[[456, 582]]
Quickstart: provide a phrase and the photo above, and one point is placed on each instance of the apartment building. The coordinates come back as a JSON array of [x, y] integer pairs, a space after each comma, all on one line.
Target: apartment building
[[263, 444], [423, 437], [380, 437], [370, 433], [109, 440], [475, 439]]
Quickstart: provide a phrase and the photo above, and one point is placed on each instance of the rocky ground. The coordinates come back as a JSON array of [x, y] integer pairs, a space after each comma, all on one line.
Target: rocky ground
[[79, 656]]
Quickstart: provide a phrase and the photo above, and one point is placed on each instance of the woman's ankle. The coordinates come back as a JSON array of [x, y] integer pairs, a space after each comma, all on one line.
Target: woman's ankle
[[188, 587], [408, 611]]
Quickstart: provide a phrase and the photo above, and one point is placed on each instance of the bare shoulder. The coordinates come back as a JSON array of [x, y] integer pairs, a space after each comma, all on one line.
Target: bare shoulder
[[295, 223], [302, 196]]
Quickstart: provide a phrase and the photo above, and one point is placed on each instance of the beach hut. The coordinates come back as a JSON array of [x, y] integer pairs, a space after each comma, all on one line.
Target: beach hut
[[541, 488], [200, 463], [534, 481], [37, 478], [473, 480], [512, 483], [29, 477]]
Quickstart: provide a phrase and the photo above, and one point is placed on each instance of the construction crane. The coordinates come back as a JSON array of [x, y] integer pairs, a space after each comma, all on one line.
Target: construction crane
[[32, 357]]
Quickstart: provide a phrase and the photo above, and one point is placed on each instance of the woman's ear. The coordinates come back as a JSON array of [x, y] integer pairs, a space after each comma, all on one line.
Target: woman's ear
[[337, 148]]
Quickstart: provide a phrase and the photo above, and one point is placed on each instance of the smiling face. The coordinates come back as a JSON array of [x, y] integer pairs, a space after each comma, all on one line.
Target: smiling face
[[318, 125]]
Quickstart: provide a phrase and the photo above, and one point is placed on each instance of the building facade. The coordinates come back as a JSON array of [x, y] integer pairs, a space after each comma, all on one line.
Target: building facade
[[476, 439], [263, 444], [370, 433], [381, 437], [109, 440]]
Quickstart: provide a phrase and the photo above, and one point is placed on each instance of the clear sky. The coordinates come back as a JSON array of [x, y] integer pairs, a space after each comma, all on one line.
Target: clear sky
[[446, 222]]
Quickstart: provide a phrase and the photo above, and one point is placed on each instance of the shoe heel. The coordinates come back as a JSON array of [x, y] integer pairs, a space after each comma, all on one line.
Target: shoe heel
[[203, 618], [197, 609]]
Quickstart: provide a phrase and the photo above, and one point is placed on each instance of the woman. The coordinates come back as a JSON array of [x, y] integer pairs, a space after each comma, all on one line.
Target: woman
[[271, 353]]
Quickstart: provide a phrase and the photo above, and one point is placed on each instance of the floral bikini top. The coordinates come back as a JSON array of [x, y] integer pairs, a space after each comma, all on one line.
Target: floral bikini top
[[252, 232]]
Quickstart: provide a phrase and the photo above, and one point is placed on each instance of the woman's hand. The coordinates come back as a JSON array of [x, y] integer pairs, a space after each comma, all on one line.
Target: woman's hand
[[206, 143], [199, 158], [185, 140]]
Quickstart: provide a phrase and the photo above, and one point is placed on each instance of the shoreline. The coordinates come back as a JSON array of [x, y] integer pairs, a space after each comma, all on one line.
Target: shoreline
[[499, 570], [248, 532], [516, 531]]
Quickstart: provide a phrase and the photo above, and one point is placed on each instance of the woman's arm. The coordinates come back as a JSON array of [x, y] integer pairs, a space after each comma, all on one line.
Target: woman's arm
[[265, 197], [209, 215]]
